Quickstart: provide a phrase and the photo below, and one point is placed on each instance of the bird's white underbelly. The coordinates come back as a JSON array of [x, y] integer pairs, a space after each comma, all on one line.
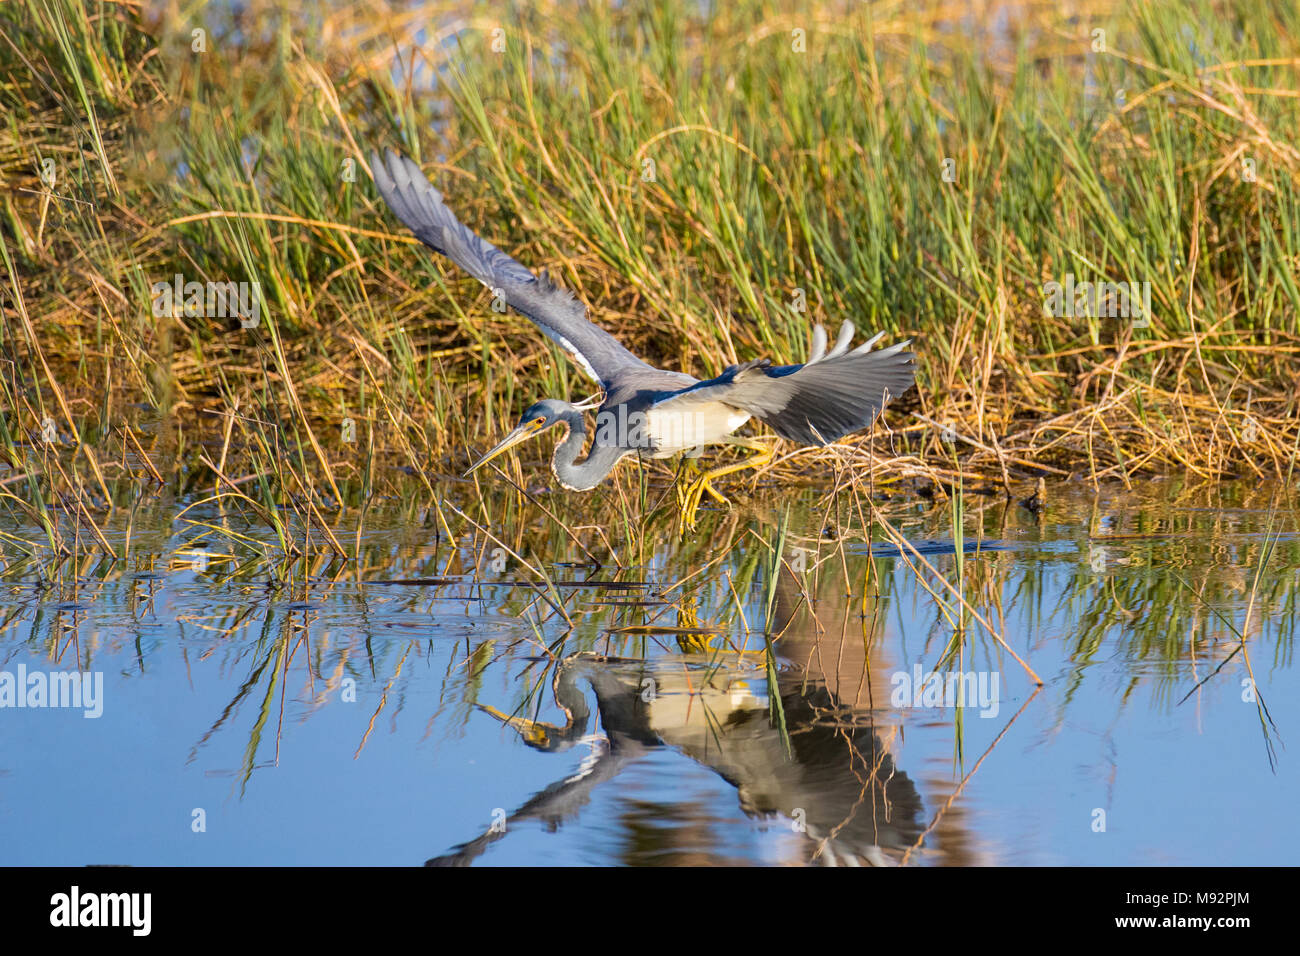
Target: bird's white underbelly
[[674, 430]]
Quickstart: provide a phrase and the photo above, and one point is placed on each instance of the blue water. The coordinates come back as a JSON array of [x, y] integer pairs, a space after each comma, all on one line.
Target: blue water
[[247, 719]]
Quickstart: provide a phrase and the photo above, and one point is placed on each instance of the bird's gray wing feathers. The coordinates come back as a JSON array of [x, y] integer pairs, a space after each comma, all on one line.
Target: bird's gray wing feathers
[[831, 395], [415, 201]]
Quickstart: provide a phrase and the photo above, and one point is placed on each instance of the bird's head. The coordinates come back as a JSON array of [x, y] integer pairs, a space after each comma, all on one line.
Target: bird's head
[[536, 419]]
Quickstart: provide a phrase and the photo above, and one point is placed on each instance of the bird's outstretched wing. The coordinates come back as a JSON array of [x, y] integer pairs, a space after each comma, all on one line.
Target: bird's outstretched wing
[[556, 312], [826, 398]]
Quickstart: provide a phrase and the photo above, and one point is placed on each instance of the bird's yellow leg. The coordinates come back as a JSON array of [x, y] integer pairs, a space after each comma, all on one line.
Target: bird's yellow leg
[[704, 483], [692, 640]]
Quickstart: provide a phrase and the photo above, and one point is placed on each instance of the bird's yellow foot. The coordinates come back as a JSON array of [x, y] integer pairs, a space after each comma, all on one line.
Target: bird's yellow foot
[[690, 499], [688, 502]]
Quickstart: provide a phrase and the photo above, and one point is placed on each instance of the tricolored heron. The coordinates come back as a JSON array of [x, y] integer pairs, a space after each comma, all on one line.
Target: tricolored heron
[[646, 410]]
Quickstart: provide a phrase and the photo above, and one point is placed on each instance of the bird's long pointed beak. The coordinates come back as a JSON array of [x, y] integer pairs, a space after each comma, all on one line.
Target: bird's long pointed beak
[[534, 732], [522, 433]]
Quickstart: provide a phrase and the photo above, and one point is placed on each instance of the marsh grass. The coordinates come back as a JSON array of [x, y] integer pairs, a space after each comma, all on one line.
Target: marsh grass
[[904, 169]]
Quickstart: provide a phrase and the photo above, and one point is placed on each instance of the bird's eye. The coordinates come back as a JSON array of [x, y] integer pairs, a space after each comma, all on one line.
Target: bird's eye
[[539, 421]]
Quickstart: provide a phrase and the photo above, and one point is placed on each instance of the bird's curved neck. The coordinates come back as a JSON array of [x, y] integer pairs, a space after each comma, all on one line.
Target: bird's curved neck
[[587, 474], [570, 699]]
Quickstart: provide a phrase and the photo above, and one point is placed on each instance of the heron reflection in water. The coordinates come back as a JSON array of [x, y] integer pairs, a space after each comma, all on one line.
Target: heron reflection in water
[[836, 777], [645, 410]]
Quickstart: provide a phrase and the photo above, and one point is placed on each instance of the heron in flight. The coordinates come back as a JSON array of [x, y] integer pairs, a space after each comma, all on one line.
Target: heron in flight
[[645, 410]]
